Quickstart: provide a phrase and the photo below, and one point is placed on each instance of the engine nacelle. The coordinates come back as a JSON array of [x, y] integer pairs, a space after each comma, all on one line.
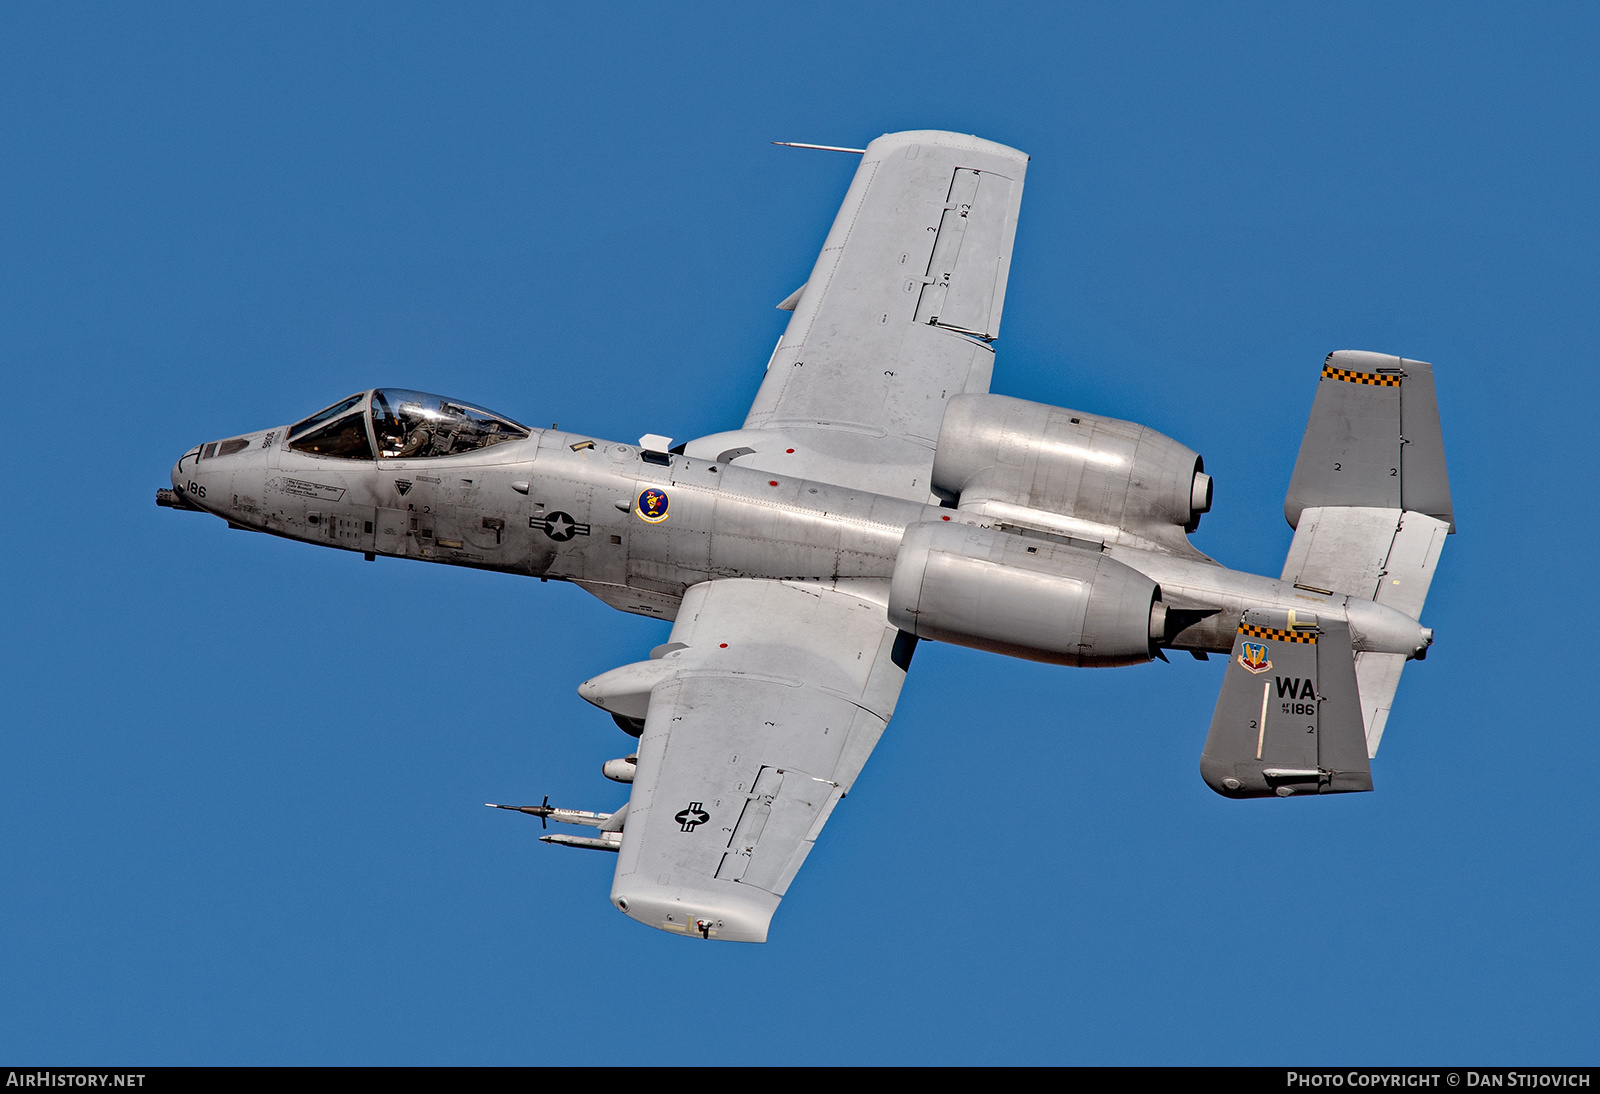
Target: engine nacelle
[[996, 452], [1023, 596]]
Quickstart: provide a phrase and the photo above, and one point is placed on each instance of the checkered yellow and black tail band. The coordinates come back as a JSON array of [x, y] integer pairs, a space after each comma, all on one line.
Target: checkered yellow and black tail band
[[1279, 636], [1381, 379]]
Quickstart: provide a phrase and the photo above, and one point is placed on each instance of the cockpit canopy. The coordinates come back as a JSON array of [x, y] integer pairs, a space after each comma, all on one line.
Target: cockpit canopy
[[400, 424]]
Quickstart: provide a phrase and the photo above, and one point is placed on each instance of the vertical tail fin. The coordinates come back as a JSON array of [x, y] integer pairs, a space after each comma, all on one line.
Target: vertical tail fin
[[1288, 720], [1370, 500], [1373, 440]]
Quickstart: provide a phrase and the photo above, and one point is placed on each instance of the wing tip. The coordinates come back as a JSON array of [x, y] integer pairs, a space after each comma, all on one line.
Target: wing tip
[[940, 138], [731, 916]]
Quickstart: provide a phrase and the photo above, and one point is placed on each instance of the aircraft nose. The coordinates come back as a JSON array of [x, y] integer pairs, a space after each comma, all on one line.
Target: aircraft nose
[[183, 483], [183, 470]]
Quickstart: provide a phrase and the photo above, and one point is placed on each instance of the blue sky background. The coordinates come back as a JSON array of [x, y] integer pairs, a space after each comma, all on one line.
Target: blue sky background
[[241, 818]]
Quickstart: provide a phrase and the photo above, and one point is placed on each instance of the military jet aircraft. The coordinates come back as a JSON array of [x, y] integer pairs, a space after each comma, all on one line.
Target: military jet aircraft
[[877, 494]]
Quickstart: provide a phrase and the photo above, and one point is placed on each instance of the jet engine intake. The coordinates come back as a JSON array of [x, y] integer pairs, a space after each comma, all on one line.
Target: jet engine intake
[[1000, 453], [1027, 597]]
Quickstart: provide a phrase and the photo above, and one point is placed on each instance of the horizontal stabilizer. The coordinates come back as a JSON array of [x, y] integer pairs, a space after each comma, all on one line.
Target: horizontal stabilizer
[[1288, 720], [1370, 501], [1373, 440], [1385, 555]]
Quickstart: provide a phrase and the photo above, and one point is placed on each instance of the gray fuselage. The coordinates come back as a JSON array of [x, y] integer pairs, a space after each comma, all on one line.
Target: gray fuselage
[[567, 507]]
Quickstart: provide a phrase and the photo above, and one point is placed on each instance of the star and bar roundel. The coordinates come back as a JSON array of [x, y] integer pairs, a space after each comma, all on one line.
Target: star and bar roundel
[[559, 526]]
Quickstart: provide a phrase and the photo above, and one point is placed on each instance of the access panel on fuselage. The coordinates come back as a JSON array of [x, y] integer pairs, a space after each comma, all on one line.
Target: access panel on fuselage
[[467, 515], [562, 522]]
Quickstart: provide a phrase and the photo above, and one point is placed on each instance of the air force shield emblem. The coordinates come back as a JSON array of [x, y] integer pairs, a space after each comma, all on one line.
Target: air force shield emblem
[[1254, 657]]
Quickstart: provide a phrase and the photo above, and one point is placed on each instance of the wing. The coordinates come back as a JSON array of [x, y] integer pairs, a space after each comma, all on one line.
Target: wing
[[897, 316], [759, 716]]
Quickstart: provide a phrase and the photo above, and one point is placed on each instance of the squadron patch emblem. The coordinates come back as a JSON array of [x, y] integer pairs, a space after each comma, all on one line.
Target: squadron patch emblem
[[1254, 657], [652, 507]]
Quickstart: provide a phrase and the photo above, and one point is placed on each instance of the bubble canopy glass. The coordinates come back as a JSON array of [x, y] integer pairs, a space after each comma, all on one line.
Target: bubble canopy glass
[[400, 424]]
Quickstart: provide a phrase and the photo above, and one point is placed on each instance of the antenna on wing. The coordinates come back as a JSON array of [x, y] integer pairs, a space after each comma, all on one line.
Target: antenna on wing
[[821, 147]]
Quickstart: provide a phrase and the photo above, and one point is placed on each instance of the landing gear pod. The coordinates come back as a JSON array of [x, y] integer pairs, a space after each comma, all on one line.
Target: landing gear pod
[[1288, 720]]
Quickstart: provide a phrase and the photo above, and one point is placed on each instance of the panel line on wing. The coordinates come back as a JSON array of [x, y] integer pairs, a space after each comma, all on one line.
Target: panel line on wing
[[963, 270]]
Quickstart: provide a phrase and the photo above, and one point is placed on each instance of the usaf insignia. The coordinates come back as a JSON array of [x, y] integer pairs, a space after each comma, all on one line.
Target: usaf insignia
[[559, 526], [652, 507], [1254, 657], [691, 817]]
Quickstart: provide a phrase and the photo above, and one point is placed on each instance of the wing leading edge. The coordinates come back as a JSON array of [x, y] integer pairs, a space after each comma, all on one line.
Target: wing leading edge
[[758, 721], [896, 317]]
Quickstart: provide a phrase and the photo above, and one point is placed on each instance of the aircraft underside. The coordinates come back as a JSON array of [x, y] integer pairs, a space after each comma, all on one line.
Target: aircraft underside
[[876, 495]]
